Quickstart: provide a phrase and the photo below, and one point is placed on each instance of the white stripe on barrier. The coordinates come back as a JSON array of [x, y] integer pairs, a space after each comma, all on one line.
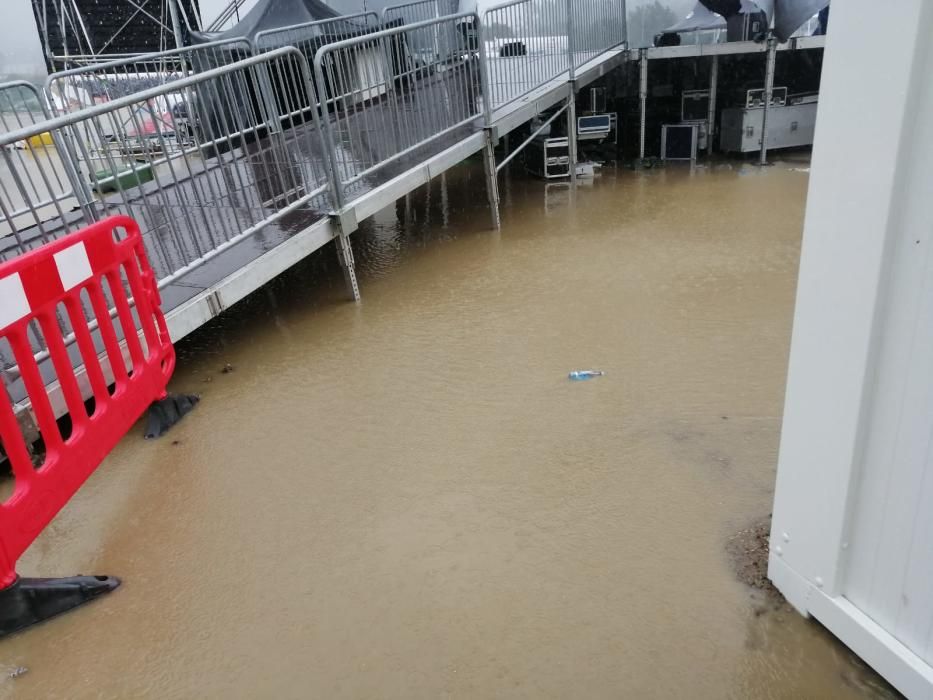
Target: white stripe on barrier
[[73, 265], [13, 302]]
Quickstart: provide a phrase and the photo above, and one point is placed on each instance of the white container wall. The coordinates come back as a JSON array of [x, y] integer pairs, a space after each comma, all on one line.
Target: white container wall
[[852, 536]]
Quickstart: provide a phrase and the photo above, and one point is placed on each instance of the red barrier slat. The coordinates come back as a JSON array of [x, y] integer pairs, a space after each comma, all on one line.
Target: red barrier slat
[[63, 369], [35, 388], [143, 307], [45, 278], [108, 333], [126, 318], [86, 347]]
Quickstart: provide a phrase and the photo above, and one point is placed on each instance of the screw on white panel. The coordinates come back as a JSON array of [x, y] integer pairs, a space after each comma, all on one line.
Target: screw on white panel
[[779, 551], [845, 545], [819, 582], [786, 537]]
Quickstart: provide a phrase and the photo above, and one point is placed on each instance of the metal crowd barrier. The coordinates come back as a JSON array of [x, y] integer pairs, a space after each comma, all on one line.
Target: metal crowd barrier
[[205, 150], [95, 83], [440, 44], [35, 183], [308, 37], [384, 105], [244, 159], [596, 26], [231, 166], [527, 43]]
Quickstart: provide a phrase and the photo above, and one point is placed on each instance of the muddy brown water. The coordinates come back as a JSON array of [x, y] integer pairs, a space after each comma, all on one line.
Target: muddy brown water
[[406, 498]]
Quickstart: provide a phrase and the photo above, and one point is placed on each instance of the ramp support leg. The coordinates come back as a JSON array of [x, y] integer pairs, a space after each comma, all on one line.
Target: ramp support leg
[[347, 223], [572, 131], [711, 118], [492, 179], [769, 93], [642, 100], [28, 601], [345, 253]]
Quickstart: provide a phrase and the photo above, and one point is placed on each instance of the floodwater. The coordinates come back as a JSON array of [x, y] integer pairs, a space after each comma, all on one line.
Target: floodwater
[[407, 498]]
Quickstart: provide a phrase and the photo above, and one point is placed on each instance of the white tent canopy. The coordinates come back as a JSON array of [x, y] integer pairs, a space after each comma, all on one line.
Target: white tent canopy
[[788, 16], [702, 19]]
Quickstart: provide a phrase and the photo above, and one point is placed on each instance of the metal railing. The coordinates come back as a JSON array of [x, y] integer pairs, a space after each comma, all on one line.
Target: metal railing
[[525, 45], [385, 105], [595, 27], [244, 162], [439, 44], [234, 167], [74, 89], [308, 37], [528, 43], [205, 150], [35, 182]]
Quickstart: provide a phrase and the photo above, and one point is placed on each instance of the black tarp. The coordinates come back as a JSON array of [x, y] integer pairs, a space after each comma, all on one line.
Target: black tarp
[[788, 15], [274, 14]]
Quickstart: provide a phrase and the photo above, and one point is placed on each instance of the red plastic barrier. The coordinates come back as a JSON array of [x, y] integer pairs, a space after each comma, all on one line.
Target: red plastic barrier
[[32, 287]]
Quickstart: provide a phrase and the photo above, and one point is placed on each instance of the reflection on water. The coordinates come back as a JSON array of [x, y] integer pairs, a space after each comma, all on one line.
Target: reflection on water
[[406, 498]]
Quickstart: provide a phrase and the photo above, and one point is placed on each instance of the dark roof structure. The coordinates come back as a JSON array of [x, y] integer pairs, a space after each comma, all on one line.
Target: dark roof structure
[[275, 14]]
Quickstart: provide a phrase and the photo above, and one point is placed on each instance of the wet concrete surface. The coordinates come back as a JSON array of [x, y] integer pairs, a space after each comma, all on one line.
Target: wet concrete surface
[[407, 498]]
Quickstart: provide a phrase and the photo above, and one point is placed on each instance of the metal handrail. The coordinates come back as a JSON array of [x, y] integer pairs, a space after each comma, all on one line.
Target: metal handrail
[[288, 60], [59, 121], [397, 9], [326, 55], [126, 59], [307, 25]]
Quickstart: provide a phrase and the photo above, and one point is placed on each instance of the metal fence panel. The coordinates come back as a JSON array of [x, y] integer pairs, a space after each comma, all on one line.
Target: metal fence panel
[[311, 36], [197, 161], [35, 183], [384, 105], [596, 27], [438, 44], [71, 90], [525, 44], [247, 151]]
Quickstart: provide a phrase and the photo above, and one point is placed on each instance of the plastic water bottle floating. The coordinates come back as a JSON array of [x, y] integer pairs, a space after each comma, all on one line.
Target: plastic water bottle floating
[[584, 374]]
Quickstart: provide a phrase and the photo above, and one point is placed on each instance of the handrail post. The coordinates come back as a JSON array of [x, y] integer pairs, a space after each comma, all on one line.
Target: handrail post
[[484, 66], [62, 142], [711, 116], [572, 131], [330, 149], [346, 218], [624, 9], [769, 93], [642, 99], [489, 145], [570, 41]]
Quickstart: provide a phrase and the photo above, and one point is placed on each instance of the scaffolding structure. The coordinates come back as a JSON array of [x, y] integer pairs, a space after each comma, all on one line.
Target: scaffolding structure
[[79, 32]]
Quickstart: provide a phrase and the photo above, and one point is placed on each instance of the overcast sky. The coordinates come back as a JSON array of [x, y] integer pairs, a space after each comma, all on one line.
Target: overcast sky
[[20, 51]]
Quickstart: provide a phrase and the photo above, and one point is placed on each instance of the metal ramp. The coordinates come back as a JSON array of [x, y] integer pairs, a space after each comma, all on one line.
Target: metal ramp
[[239, 160]]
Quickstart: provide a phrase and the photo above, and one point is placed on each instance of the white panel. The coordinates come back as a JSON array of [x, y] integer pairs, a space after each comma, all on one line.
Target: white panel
[[13, 302], [891, 552], [73, 265], [852, 530], [843, 271], [914, 626]]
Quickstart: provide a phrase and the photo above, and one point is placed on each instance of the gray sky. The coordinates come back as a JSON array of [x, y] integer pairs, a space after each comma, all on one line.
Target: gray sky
[[20, 51]]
